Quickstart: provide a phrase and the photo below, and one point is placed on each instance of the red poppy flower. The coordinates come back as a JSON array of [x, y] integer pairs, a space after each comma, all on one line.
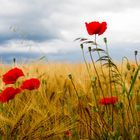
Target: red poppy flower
[[30, 84], [108, 100], [12, 75], [69, 133], [96, 27], [8, 94]]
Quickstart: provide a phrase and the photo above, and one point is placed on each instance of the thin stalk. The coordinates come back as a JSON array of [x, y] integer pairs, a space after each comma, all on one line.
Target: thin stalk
[[70, 77], [130, 90], [96, 73], [102, 120], [100, 85], [100, 62], [109, 61], [85, 60], [92, 129], [102, 72], [74, 129], [89, 75], [110, 84]]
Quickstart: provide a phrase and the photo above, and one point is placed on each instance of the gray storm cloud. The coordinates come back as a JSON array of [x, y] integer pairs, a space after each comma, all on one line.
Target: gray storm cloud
[[52, 25], [52, 18]]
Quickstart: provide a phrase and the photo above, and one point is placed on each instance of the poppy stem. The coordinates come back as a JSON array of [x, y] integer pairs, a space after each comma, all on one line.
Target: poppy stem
[[85, 60], [104, 80], [87, 67], [100, 62], [70, 77], [99, 81], [110, 79]]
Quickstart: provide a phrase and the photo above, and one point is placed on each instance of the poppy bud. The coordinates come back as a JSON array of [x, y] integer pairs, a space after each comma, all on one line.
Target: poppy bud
[[105, 40], [70, 76], [81, 46], [14, 60], [136, 52], [89, 48], [128, 66]]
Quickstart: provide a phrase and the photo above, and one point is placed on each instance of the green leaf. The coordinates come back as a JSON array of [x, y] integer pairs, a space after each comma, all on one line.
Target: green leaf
[[41, 58], [90, 42], [97, 49], [134, 80], [105, 58]]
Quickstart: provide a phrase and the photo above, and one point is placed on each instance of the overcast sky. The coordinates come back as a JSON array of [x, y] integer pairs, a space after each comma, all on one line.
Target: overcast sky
[[33, 28]]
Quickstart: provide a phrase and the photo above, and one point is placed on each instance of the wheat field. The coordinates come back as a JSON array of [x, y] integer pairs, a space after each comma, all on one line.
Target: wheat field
[[66, 105]]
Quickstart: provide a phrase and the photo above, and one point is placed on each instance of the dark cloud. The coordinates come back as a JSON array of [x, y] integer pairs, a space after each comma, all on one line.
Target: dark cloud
[[50, 20]]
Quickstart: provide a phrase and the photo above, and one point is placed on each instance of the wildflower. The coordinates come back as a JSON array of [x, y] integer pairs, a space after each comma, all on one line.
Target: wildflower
[[68, 133], [8, 94], [96, 27], [12, 75], [30, 84], [108, 100]]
